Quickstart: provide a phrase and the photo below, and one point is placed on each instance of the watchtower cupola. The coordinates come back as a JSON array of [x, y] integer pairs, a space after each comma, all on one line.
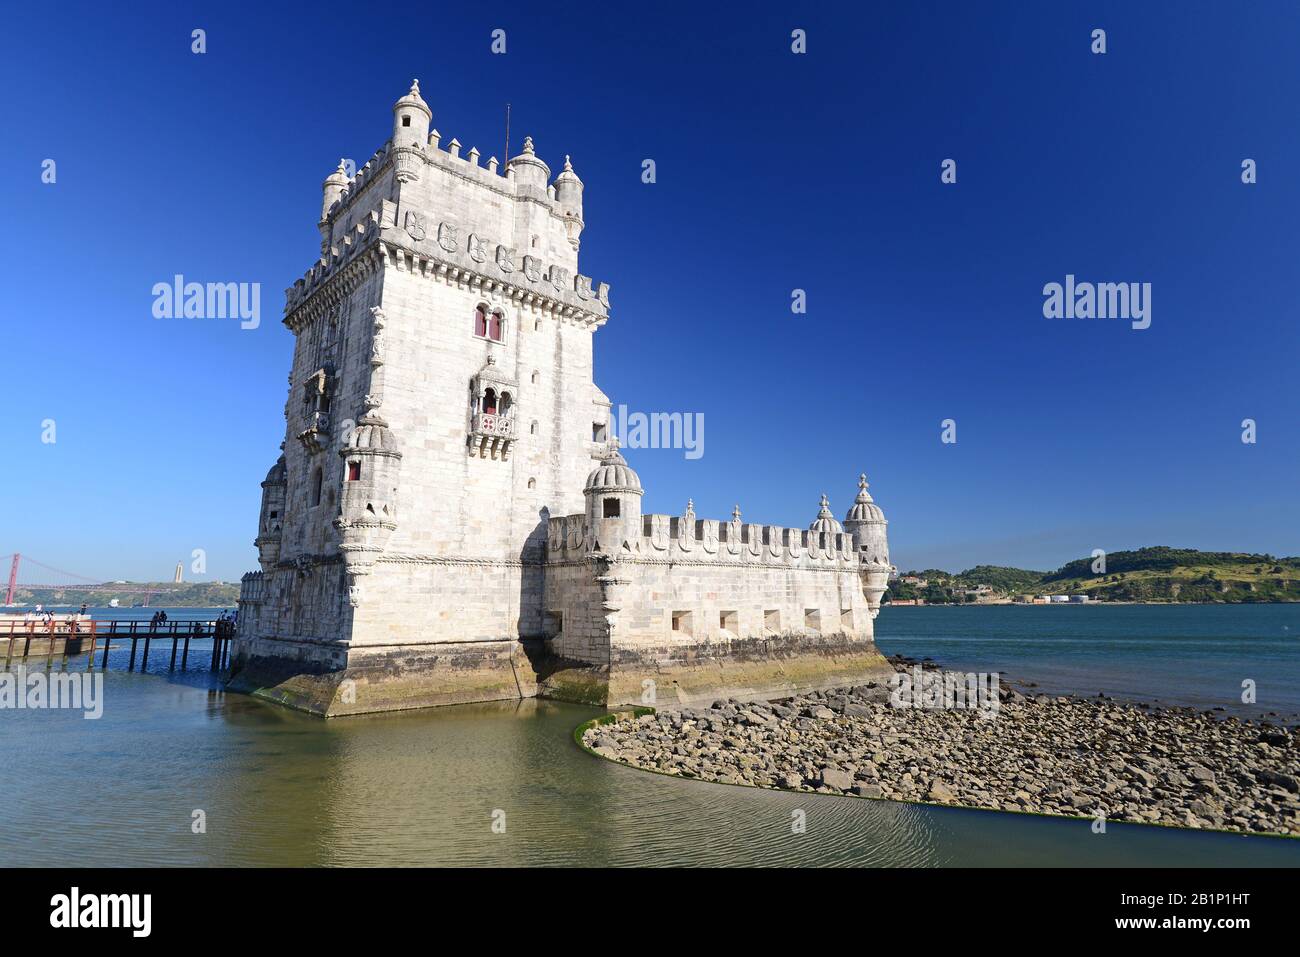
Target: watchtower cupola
[[271, 522], [866, 523], [613, 492]]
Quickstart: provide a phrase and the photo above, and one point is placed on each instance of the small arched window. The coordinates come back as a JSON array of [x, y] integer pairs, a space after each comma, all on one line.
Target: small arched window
[[490, 401], [536, 376], [480, 321], [505, 402], [496, 327]]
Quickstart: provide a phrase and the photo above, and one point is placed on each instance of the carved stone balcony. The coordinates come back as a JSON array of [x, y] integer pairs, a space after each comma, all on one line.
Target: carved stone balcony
[[316, 436], [491, 435]]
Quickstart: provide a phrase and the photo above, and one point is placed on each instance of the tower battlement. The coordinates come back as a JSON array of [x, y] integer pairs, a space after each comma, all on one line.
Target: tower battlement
[[686, 539]]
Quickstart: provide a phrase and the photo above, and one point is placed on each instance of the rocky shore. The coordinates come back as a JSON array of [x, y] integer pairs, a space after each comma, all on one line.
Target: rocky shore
[[1083, 757]]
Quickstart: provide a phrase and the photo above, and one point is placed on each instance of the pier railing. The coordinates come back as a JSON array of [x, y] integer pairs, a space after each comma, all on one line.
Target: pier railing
[[73, 637]]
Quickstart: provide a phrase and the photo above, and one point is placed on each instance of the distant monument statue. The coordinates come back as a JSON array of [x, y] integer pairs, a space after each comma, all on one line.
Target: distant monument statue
[[177, 578]]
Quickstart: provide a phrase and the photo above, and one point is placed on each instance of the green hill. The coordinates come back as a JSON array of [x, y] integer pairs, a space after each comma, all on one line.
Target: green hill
[[1155, 574]]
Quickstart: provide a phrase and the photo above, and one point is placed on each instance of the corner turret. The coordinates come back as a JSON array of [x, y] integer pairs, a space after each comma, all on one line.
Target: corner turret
[[271, 521], [613, 494], [866, 523], [529, 172], [334, 186], [568, 193], [411, 119]]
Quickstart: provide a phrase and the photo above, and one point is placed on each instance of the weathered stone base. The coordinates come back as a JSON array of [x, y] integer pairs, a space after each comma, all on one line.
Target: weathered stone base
[[392, 678], [397, 678], [746, 670], [692, 675]]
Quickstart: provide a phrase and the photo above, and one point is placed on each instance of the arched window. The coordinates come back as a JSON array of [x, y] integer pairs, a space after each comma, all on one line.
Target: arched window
[[480, 321], [496, 327], [505, 402], [490, 401]]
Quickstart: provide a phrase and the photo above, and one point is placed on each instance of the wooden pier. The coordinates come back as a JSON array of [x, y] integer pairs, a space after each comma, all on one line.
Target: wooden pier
[[24, 640]]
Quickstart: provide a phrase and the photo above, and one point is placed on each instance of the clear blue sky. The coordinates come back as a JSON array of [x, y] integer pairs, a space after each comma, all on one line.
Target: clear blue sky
[[775, 172]]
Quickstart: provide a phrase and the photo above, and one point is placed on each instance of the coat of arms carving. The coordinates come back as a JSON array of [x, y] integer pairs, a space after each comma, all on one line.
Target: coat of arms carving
[[477, 248], [447, 237], [415, 225]]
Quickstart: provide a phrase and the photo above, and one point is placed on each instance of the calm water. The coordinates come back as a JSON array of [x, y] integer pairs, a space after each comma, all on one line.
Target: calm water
[[421, 789], [1196, 655]]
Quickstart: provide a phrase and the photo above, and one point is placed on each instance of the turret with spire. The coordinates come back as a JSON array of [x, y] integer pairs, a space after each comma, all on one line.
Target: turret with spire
[[568, 193]]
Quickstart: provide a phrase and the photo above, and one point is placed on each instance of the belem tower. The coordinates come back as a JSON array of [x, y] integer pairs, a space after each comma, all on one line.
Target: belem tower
[[451, 519]]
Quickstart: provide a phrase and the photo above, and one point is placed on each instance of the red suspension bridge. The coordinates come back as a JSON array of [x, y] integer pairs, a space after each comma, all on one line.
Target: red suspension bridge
[[70, 580]]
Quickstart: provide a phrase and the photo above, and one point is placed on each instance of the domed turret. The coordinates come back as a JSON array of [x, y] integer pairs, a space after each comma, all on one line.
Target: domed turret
[[529, 171], [866, 522], [613, 492], [334, 185], [271, 520], [368, 507], [411, 119], [825, 522], [568, 193]]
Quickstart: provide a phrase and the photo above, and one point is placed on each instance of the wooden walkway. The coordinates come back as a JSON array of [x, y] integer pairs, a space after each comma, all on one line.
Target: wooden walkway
[[69, 638]]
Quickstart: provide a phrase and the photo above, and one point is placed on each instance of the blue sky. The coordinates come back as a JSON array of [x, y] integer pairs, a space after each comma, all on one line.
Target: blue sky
[[775, 171]]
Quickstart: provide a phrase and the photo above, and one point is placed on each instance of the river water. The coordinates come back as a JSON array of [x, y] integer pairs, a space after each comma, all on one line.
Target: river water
[[436, 787]]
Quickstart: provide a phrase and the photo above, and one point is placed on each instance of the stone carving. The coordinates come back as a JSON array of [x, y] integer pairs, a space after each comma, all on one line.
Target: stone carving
[[415, 225], [709, 538], [477, 248], [659, 529], [447, 237], [559, 277], [602, 294], [377, 340], [532, 268], [506, 258], [582, 285], [686, 527]]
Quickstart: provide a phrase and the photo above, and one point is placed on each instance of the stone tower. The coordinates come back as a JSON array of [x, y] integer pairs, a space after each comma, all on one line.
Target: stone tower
[[441, 407], [452, 521]]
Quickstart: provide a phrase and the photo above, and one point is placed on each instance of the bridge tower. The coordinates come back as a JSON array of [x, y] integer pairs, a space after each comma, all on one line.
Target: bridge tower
[[13, 580]]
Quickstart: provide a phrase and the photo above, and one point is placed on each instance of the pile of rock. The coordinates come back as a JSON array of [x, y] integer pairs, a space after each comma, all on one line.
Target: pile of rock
[[1073, 756]]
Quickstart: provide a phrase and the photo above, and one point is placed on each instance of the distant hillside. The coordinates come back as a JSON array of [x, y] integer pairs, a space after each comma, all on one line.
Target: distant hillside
[[1156, 574], [164, 594]]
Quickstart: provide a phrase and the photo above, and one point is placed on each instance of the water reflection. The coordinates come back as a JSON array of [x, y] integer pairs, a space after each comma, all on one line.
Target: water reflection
[[420, 788]]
